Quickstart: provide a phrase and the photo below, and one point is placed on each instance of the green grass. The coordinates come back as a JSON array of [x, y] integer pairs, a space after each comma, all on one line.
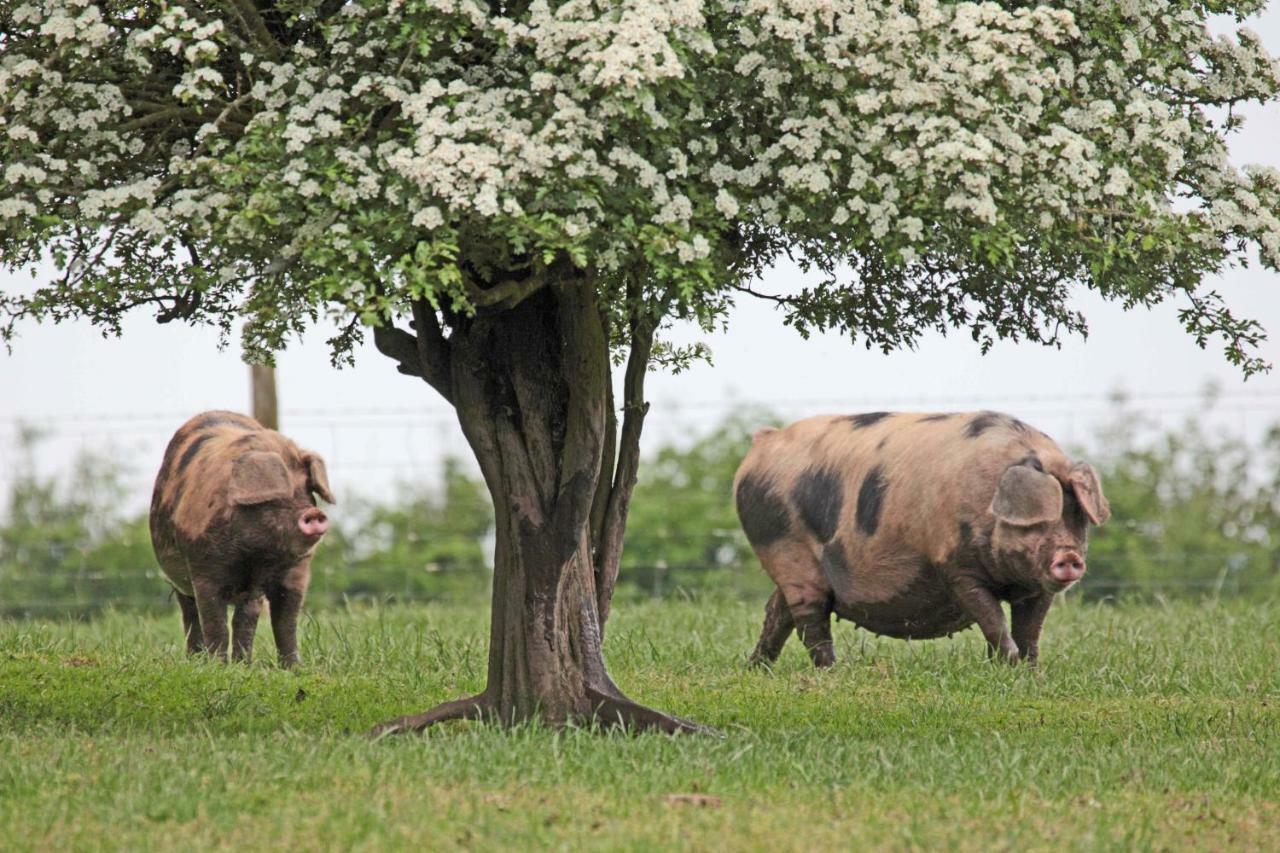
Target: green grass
[[1144, 727]]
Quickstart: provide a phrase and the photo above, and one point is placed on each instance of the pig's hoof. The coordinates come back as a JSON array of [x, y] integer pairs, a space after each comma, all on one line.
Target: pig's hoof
[[824, 656]]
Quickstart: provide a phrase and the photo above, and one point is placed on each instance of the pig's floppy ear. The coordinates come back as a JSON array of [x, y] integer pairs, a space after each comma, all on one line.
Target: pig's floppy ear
[[257, 477], [1026, 496], [318, 477], [1088, 488]]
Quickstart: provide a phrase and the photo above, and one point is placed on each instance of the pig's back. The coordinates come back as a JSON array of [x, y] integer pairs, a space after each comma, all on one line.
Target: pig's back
[[916, 477], [900, 462]]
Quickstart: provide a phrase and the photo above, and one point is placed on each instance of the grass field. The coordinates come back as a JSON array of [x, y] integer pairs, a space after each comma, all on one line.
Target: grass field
[[1144, 727]]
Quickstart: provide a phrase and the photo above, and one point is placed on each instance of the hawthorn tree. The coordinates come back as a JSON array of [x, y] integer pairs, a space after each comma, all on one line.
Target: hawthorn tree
[[514, 197]]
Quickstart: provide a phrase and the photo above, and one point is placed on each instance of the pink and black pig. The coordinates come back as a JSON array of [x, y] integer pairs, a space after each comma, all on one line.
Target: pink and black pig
[[914, 526], [234, 521]]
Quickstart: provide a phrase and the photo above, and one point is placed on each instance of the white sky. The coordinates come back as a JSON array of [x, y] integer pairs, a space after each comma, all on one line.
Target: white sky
[[376, 426]]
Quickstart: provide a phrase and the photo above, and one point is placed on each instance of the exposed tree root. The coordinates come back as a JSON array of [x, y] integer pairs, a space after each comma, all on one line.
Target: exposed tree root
[[617, 710], [609, 709], [472, 708]]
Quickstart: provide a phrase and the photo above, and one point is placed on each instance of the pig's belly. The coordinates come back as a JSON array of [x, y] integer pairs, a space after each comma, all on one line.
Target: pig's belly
[[920, 610]]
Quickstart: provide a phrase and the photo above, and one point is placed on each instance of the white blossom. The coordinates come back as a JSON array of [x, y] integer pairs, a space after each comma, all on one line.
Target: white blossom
[[429, 218], [726, 204]]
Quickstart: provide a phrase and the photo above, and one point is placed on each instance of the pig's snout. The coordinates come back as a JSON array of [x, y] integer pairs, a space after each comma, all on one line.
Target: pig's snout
[[1067, 567], [313, 522]]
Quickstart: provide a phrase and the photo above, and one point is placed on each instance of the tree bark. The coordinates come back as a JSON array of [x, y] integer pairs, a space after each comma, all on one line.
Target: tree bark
[[530, 385]]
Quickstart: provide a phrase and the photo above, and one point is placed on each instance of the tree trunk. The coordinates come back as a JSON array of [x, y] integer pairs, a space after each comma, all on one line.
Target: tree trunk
[[531, 388]]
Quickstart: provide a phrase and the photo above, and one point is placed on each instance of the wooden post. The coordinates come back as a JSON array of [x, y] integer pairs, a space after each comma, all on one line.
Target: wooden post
[[262, 378]]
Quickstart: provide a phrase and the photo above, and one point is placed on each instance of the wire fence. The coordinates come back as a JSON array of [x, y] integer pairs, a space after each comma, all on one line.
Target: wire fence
[[370, 449], [373, 451], [91, 593]]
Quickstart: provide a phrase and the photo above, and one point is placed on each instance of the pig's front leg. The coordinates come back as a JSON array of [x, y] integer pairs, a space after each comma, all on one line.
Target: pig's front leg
[[213, 619], [244, 624], [984, 607], [286, 604], [1028, 620]]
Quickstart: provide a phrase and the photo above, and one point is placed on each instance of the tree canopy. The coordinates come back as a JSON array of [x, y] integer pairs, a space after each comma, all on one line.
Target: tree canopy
[[931, 164]]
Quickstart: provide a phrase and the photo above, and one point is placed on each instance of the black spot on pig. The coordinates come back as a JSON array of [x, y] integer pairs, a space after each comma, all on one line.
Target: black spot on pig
[[193, 448], [866, 420], [763, 514], [928, 418], [966, 533], [818, 498], [981, 423], [871, 501]]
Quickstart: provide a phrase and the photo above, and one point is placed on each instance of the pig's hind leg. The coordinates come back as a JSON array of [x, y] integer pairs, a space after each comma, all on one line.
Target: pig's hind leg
[[190, 623], [813, 623], [244, 624], [778, 626], [794, 568]]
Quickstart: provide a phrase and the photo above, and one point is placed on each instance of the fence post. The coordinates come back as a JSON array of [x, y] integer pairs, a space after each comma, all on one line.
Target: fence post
[[262, 384]]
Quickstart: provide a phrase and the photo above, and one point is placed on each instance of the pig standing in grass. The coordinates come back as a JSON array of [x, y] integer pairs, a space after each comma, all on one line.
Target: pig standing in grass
[[914, 526], [233, 519]]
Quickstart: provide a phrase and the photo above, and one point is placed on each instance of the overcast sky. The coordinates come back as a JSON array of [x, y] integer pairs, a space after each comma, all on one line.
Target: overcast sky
[[376, 425]]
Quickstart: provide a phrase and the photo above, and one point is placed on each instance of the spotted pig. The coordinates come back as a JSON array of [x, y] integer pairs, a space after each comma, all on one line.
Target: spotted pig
[[234, 520], [914, 526]]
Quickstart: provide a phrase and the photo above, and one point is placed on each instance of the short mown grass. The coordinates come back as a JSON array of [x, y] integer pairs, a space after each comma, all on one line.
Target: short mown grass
[[1145, 726]]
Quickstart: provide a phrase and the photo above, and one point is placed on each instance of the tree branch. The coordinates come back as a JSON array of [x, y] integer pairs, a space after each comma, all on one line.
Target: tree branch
[[505, 294], [604, 483], [781, 300], [160, 116], [256, 26], [609, 553], [400, 346], [424, 355], [434, 354]]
